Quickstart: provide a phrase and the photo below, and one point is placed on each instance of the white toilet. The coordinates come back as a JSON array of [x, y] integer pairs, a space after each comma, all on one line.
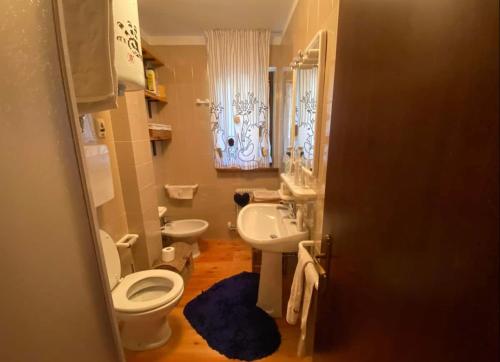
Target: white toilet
[[189, 230], [142, 300]]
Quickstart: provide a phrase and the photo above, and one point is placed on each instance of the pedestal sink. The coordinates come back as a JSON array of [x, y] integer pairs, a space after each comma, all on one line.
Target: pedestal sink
[[268, 227]]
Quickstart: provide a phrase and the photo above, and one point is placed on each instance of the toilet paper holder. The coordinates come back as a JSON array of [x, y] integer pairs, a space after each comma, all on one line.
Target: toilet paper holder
[[127, 241]]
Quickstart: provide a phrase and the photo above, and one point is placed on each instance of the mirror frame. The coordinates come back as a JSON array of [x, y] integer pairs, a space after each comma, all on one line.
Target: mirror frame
[[320, 37]]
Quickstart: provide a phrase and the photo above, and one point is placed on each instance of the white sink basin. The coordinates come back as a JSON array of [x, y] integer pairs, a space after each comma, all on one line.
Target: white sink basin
[[185, 228], [268, 228]]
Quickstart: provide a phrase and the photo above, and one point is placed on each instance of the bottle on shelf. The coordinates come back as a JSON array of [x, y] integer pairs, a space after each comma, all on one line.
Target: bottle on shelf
[[297, 165], [302, 174], [300, 218], [151, 80]]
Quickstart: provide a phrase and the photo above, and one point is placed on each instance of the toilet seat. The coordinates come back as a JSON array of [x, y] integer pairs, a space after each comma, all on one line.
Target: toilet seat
[[146, 290]]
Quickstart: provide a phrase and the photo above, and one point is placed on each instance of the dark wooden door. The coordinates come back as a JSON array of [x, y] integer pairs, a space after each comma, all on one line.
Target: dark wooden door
[[412, 185]]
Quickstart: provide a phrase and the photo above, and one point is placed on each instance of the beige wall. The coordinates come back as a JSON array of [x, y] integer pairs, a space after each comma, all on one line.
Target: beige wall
[[134, 207], [112, 215], [53, 305], [187, 158], [309, 17], [133, 152]]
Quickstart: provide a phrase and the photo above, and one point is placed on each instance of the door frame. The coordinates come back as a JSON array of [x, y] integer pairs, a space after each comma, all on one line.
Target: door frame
[[73, 116]]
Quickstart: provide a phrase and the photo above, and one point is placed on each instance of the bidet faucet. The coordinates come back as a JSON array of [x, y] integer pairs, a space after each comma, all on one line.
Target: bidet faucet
[[165, 221]]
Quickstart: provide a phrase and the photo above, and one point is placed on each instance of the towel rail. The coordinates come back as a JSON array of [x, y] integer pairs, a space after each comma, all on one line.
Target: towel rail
[[319, 268], [127, 241]]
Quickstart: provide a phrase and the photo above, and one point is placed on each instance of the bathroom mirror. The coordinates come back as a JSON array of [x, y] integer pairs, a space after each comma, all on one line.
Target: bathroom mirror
[[305, 122]]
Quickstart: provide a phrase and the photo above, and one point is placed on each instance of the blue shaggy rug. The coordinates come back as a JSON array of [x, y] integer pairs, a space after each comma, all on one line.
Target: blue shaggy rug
[[227, 317]]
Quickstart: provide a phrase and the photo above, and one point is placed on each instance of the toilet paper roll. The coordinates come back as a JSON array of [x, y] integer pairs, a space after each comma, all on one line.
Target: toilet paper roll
[[168, 254]]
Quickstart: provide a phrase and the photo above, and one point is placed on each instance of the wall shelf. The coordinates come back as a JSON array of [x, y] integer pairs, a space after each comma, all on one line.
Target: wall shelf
[[301, 193], [153, 97], [152, 61], [285, 197], [160, 134], [156, 135], [149, 58]]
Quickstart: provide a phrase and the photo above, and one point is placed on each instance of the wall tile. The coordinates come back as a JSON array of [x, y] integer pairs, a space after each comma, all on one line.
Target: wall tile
[[309, 17], [145, 175], [121, 129], [142, 151]]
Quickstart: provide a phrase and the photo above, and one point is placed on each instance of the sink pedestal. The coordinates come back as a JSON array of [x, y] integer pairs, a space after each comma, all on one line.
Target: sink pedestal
[[270, 284], [268, 227]]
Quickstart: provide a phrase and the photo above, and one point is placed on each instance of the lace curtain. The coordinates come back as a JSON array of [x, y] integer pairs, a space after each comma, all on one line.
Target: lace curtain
[[287, 117], [238, 62], [306, 111]]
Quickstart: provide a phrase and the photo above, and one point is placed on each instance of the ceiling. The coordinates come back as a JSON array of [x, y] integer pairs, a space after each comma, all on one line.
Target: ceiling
[[184, 21]]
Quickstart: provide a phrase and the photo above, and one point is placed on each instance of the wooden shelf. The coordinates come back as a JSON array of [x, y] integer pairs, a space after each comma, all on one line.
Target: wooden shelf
[[153, 97], [160, 134], [151, 59]]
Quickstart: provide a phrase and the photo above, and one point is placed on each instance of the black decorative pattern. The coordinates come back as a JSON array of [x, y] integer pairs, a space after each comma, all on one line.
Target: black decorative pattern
[[307, 123], [244, 107], [130, 37], [239, 149], [218, 133]]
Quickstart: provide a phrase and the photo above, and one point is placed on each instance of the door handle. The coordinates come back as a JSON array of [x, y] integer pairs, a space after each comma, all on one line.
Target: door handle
[[326, 251]]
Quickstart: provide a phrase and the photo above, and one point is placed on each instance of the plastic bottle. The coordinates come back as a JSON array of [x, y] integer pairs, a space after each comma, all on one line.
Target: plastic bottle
[[302, 175], [300, 218], [286, 162], [297, 165]]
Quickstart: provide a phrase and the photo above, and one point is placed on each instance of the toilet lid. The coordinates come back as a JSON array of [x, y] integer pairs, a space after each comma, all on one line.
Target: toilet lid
[[146, 290], [111, 258]]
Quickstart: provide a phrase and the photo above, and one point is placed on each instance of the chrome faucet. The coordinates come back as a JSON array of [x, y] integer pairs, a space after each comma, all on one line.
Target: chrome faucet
[[291, 207]]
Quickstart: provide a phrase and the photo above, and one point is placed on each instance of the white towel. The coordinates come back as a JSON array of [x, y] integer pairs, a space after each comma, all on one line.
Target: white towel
[[90, 34], [127, 43], [266, 195], [295, 301], [312, 281]]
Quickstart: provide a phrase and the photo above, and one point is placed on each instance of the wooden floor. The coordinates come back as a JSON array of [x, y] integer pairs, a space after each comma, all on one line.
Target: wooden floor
[[218, 260]]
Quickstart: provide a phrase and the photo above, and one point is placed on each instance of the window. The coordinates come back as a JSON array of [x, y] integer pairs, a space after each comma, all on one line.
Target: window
[[238, 62]]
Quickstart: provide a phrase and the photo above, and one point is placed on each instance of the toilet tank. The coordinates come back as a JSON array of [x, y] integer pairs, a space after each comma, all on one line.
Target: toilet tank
[[99, 171]]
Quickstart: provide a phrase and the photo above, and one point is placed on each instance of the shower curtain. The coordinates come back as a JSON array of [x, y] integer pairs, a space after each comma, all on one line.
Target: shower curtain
[[238, 62]]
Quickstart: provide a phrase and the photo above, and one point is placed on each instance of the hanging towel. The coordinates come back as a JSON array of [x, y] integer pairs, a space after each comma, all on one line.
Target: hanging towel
[[90, 34], [293, 309], [266, 196], [127, 43], [312, 281]]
